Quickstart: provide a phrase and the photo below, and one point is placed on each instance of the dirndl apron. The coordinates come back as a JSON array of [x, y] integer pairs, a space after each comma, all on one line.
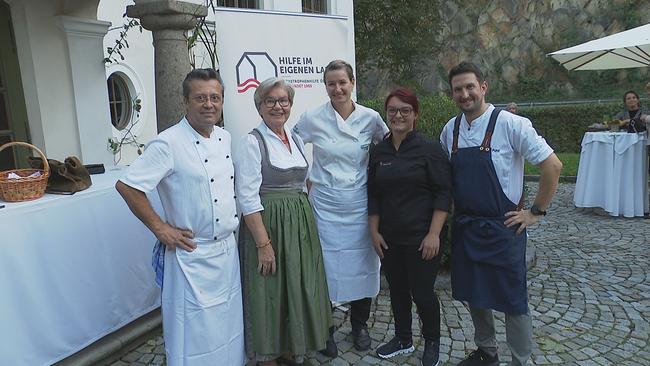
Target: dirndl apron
[[351, 263], [287, 312], [488, 258], [202, 305]]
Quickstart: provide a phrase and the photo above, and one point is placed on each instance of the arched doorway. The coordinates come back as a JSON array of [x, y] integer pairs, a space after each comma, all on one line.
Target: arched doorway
[[13, 113]]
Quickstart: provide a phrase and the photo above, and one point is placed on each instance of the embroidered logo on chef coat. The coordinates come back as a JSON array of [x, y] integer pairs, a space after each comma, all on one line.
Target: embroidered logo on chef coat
[[365, 147]]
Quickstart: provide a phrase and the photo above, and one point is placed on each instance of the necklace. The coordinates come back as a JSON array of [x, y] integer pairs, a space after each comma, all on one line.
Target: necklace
[[285, 141]]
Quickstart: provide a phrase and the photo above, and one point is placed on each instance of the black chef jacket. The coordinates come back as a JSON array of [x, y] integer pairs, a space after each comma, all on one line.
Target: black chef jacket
[[405, 186]]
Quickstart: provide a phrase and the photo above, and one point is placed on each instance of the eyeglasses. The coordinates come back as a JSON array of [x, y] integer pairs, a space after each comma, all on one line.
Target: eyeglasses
[[270, 102], [404, 111], [202, 99]]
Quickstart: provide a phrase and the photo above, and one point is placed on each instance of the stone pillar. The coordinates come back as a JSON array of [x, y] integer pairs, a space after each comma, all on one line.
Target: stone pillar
[[168, 21]]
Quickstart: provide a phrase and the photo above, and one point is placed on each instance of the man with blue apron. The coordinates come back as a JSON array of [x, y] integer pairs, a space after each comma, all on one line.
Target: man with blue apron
[[487, 148]]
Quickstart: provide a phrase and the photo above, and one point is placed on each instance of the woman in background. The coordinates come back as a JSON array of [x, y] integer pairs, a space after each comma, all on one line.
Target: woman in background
[[634, 117]]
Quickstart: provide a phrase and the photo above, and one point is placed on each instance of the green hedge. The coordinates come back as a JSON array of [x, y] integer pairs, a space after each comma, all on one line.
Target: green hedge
[[562, 126]]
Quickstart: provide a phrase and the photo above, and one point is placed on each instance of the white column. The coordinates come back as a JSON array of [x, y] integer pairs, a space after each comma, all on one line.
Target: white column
[[84, 40]]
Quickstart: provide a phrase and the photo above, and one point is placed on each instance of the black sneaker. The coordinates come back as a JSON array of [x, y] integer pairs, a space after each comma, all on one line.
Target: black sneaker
[[394, 347], [480, 358], [431, 354], [361, 339], [330, 350]]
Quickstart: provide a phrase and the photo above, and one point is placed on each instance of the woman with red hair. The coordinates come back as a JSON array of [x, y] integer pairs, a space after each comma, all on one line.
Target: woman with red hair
[[409, 196]]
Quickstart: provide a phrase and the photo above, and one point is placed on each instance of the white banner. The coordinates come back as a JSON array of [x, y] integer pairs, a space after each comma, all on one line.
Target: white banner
[[255, 45]]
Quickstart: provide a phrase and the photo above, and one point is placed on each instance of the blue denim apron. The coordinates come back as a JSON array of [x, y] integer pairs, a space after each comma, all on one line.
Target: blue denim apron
[[488, 258]]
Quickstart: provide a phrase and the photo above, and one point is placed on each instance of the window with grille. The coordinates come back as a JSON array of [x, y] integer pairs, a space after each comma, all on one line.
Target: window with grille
[[244, 4], [314, 6], [119, 99]]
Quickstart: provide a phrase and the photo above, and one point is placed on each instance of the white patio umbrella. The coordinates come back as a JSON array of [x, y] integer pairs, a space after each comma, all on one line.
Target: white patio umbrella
[[627, 49]]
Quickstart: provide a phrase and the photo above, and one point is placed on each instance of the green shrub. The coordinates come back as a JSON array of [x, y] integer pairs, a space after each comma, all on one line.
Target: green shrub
[[564, 126]]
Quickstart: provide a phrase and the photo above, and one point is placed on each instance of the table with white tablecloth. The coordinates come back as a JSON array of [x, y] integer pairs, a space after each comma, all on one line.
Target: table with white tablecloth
[[72, 270], [613, 173]]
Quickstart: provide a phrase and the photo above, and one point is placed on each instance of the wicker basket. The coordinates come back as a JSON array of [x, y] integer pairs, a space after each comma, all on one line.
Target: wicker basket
[[27, 188]]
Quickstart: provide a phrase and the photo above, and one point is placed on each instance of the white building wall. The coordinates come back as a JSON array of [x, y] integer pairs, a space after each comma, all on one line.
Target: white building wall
[[138, 64], [45, 53], [68, 115], [42, 53], [137, 67]]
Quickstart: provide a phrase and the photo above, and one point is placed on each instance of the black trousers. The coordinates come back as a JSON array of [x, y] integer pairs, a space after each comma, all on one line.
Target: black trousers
[[360, 312], [411, 278]]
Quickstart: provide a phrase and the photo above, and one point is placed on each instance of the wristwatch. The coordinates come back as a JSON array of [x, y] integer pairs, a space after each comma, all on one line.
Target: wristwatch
[[537, 211]]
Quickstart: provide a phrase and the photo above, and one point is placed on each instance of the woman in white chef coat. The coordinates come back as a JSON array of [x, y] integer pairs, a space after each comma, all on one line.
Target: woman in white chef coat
[[341, 132]]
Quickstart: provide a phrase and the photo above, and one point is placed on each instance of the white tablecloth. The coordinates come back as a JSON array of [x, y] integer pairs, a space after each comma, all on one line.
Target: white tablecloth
[[613, 173], [72, 269]]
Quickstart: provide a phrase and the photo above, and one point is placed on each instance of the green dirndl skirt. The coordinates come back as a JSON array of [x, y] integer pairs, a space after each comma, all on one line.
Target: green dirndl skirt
[[290, 310]]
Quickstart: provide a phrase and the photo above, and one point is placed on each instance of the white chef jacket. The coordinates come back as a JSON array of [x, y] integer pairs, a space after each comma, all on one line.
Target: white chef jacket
[[340, 146], [514, 140], [248, 165], [201, 298], [194, 176]]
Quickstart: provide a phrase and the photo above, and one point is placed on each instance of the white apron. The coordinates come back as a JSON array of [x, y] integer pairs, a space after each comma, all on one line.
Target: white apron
[[202, 306], [351, 264]]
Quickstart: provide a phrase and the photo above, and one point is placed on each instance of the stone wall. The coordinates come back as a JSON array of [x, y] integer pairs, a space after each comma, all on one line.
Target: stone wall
[[509, 39]]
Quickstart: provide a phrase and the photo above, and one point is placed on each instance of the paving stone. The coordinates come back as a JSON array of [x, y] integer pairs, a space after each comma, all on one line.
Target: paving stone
[[588, 296], [146, 358], [119, 363]]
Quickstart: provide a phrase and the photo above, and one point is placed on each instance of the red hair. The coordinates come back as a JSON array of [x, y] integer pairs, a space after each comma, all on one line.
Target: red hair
[[407, 96]]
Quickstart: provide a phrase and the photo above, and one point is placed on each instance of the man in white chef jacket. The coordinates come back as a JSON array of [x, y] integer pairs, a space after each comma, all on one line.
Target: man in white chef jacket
[[190, 165]]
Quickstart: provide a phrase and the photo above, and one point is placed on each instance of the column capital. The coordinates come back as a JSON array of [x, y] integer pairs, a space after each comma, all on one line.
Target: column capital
[[166, 14], [83, 26]]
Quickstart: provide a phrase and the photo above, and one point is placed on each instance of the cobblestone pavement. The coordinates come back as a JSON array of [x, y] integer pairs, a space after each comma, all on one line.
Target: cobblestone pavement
[[589, 296]]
